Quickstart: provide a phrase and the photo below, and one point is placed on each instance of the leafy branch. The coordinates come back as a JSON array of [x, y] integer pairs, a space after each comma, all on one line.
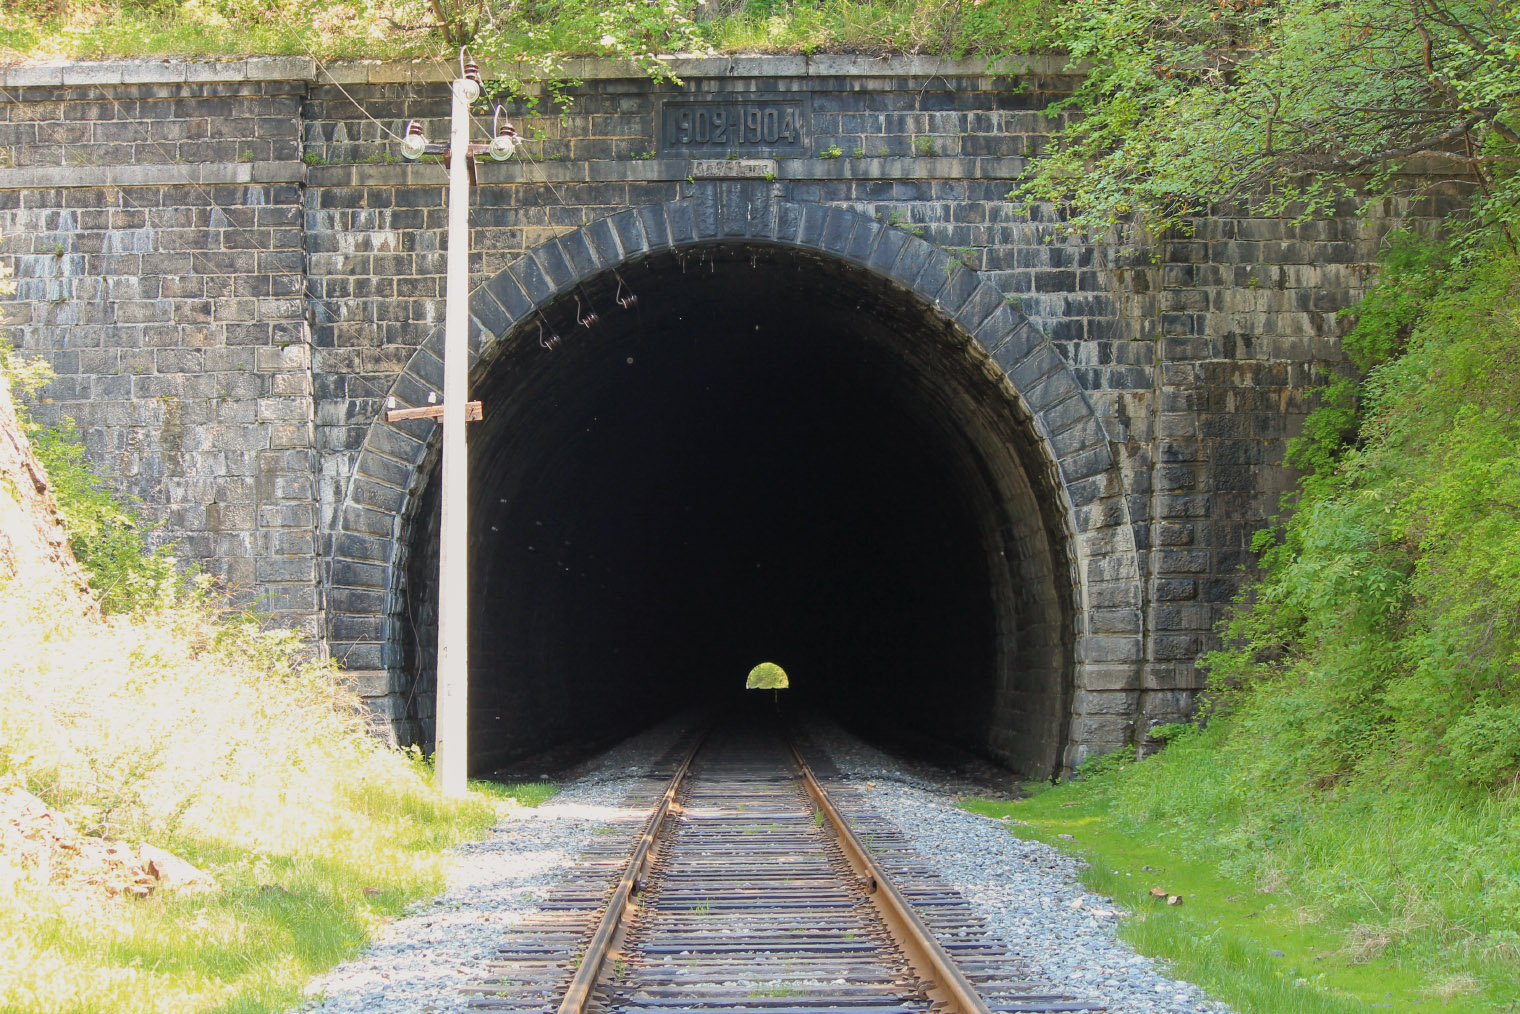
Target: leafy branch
[[1285, 106]]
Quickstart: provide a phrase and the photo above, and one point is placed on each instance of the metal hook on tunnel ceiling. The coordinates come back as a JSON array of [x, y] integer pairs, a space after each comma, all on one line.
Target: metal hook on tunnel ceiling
[[549, 342], [626, 302], [590, 318]]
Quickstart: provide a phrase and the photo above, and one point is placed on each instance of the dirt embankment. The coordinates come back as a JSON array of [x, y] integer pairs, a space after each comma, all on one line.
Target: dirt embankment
[[38, 572]]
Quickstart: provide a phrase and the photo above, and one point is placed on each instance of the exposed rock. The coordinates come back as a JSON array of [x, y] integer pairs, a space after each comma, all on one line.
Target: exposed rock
[[173, 872], [35, 837]]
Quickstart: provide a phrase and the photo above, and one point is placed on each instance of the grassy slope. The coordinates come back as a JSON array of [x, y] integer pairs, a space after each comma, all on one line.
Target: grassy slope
[[172, 724], [173, 727], [1355, 803], [1267, 943]]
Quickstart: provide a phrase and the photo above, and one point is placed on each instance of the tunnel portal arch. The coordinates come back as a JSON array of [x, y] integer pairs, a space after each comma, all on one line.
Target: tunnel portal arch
[[1028, 538]]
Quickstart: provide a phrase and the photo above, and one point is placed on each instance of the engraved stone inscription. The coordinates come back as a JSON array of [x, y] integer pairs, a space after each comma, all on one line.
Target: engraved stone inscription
[[692, 127], [740, 169]]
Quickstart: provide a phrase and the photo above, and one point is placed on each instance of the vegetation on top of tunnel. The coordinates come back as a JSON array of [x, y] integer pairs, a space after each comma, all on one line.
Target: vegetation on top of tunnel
[[1292, 107], [1289, 107], [535, 36]]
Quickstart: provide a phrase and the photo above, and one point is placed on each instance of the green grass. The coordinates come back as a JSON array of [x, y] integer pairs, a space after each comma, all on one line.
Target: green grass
[[115, 33], [334, 30], [1275, 928], [278, 918]]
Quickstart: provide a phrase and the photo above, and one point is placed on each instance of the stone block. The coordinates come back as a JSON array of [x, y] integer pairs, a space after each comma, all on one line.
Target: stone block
[[353, 574], [656, 229], [490, 316], [577, 253], [379, 683], [1173, 589], [530, 278], [1176, 647], [1176, 616], [1113, 703], [286, 569], [362, 548], [513, 301], [1085, 464], [365, 521], [602, 243], [1114, 621], [1099, 648], [681, 219], [361, 628], [1181, 561], [369, 493]]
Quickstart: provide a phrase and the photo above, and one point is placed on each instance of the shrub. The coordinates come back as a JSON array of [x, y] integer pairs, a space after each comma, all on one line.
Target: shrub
[[103, 523]]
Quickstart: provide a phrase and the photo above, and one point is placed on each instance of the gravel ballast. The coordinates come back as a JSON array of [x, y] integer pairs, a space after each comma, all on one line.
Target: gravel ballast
[[420, 961], [1027, 892]]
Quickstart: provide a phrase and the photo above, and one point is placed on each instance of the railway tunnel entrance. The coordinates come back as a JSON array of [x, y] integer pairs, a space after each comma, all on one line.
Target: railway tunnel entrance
[[768, 455]]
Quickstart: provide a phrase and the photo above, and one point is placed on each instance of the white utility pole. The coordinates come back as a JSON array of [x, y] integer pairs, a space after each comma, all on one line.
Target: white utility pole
[[451, 733], [451, 736]]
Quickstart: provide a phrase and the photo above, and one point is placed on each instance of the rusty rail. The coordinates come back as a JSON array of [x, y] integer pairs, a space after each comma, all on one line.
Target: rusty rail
[[947, 984]]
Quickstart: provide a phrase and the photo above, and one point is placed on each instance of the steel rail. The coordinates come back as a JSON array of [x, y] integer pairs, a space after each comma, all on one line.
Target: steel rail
[[937, 973], [933, 965], [623, 895]]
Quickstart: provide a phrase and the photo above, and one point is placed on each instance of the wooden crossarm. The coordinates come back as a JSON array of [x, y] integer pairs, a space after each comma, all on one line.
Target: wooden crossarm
[[472, 413]]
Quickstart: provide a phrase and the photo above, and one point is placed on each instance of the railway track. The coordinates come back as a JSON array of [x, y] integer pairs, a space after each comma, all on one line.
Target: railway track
[[737, 879]]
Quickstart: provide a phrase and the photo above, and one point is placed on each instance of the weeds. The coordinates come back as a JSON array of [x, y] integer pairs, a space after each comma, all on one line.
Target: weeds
[[332, 29], [170, 721]]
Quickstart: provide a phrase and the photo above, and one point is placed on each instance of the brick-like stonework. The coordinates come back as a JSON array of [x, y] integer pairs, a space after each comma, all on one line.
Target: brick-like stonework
[[230, 277]]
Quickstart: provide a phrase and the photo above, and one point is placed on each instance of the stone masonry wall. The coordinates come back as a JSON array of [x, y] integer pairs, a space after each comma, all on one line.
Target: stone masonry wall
[[229, 274], [153, 216]]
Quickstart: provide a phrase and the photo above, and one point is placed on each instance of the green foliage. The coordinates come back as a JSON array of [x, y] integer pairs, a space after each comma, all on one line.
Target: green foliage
[[1361, 760], [1386, 623], [1372, 675], [157, 727], [1295, 902], [101, 521], [533, 37], [1100, 764], [1291, 106], [767, 676], [103, 527]]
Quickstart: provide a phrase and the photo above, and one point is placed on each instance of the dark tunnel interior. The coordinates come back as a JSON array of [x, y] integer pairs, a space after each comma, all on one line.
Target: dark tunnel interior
[[768, 456]]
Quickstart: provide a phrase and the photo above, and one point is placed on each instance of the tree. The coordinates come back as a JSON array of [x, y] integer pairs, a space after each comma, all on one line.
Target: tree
[[1287, 106]]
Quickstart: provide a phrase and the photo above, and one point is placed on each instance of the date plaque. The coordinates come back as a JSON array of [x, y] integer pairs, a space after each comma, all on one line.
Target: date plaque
[[707, 128]]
